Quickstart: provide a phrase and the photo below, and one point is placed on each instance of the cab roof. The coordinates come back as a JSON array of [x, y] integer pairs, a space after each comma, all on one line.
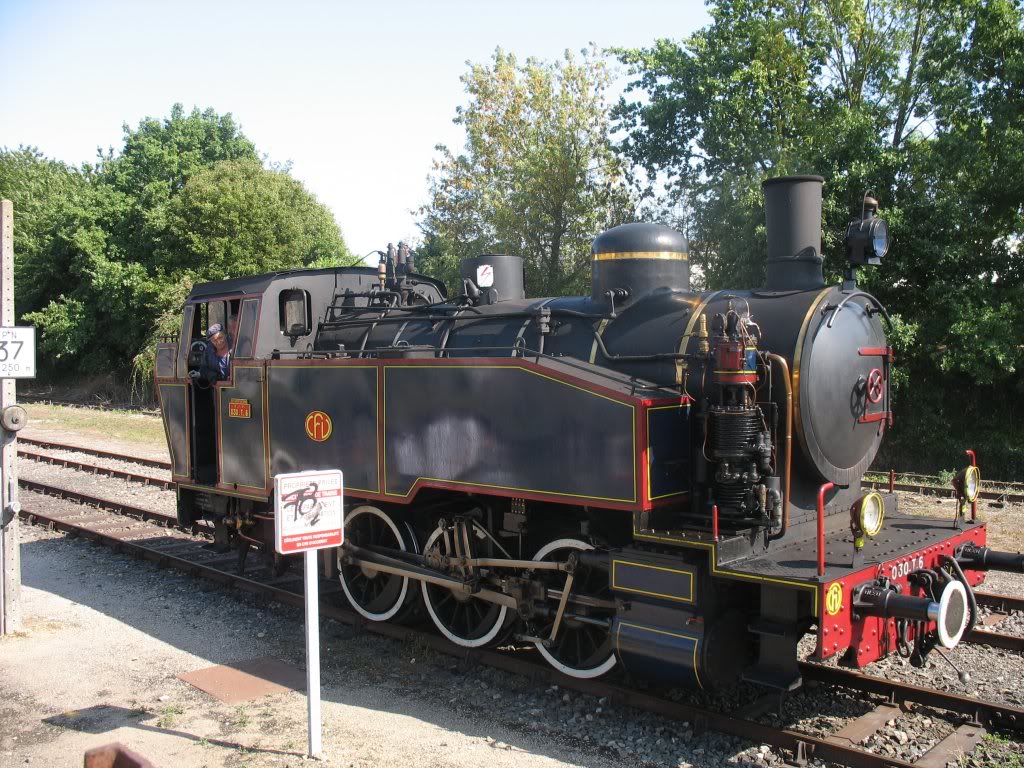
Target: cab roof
[[257, 284]]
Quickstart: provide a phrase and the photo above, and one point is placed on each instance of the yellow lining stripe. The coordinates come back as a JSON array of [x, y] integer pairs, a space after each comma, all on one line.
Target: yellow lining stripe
[[221, 491], [220, 432], [663, 255], [696, 642], [412, 488], [648, 467], [715, 570], [329, 367], [655, 568], [797, 354]]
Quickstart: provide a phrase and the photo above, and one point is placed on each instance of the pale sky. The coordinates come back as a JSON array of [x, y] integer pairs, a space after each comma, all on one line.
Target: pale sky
[[355, 95]]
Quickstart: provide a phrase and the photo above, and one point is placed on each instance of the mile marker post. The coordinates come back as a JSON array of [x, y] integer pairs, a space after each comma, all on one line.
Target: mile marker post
[[17, 360], [307, 518]]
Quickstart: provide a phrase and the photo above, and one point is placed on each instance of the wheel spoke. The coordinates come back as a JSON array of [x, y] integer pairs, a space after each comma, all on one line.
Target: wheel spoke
[[580, 650], [463, 619]]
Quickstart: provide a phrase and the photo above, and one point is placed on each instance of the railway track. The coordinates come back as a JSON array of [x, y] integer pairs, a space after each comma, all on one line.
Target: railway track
[[1002, 604], [59, 446], [153, 536]]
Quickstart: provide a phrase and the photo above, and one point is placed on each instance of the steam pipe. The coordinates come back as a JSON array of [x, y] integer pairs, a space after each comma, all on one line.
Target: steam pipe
[[821, 526], [781, 362]]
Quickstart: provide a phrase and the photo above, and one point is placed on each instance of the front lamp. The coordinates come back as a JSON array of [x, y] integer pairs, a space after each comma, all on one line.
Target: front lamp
[[868, 515], [968, 483], [867, 238]]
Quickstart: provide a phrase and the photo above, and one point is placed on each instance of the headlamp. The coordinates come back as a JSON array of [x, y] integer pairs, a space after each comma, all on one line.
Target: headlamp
[[868, 515], [968, 483], [867, 238]]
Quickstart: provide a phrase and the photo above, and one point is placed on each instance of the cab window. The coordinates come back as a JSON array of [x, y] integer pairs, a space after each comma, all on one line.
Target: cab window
[[295, 312]]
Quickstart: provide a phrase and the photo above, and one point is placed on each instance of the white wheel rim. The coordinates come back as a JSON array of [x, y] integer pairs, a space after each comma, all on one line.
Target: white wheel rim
[[458, 639], [584, 674], [947, 639], [400, 601]]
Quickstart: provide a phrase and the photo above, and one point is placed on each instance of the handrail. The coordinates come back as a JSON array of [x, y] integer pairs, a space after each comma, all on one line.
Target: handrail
[[821, 526], [838, 308], [781, 361]]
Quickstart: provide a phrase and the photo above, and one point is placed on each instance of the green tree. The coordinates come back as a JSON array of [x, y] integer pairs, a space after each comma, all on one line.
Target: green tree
[[537, 177], [920, 102], [46, 193], [239, 218], [112, 249], [155, 164]]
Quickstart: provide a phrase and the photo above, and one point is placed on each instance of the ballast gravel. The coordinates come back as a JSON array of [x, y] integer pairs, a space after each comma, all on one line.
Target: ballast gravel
[[504, 713]]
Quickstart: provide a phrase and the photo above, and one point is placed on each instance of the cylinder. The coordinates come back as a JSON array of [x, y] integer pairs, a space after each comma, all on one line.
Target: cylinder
[[792, 212], [631, 260]]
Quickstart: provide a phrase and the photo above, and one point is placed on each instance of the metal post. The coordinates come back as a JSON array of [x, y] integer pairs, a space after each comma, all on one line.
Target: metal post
[[313, 653], [974, 504], [10, 561]]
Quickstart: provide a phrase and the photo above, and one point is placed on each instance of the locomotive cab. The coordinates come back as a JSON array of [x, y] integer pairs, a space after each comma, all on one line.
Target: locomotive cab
[[215, 425]]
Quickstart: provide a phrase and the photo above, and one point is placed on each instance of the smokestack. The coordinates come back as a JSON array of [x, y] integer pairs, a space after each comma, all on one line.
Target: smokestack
[[792, 213]]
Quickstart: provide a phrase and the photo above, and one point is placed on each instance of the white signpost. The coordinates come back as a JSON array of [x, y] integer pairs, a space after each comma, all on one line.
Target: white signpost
[[18, 352], [17, 361], [308, 517]]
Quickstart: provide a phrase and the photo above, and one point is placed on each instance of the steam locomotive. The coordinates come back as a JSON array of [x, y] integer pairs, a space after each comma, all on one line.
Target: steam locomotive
[[645, 477]]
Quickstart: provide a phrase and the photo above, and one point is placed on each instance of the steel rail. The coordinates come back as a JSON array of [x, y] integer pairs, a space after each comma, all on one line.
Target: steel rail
[[135, 477], [977, 636], [999, 602], [802, 745], [995, 639], [59, 446], [935, 490], [980, 710]]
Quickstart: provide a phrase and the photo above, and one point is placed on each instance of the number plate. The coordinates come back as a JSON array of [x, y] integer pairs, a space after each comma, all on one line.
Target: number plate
[[904, 567], [18, 353]]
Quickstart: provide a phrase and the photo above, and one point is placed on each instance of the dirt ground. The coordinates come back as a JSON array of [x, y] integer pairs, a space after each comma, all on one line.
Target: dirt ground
[[106, 636]]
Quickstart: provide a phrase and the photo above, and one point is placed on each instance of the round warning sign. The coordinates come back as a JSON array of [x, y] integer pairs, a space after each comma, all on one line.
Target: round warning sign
[[485, 276], [834, 599]]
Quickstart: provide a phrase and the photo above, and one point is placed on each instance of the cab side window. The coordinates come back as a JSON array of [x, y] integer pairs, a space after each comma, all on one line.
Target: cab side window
[[295, 313], [247, 329]]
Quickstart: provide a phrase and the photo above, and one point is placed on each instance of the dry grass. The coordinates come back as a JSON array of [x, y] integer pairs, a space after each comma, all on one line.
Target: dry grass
[[1005, 521], [121, 426]]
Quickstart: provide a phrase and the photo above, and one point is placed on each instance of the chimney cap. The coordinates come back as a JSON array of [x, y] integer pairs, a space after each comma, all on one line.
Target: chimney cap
[[786, 179]]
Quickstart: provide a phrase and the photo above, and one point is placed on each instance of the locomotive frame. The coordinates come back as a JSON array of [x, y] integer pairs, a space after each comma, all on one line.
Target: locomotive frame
[[689, 504]]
